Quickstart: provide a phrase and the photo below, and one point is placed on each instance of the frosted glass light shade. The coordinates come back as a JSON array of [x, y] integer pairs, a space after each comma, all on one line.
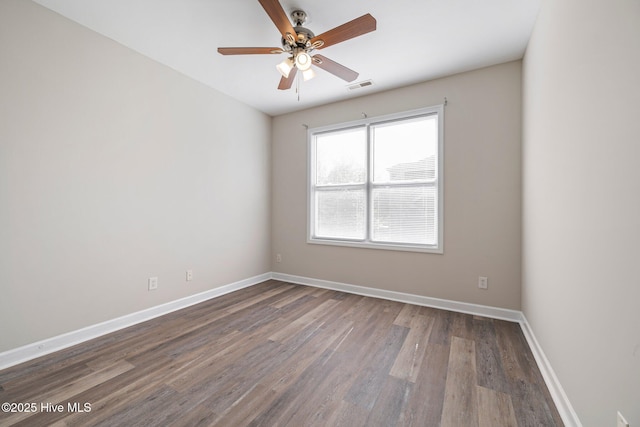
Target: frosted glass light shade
[[285, 67], [308, 74], [303, 61]]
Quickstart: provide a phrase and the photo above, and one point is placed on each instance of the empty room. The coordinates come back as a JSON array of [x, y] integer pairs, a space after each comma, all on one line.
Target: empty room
[[288, 212]]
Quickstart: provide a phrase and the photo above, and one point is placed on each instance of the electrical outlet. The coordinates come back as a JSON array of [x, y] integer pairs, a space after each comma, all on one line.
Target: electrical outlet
[[483, 282], [621, 421], [189, 275], [278, 257], [153, 283]]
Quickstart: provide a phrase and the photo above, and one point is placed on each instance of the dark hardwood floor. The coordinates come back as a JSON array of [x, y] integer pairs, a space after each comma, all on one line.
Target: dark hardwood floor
[[283, 354]]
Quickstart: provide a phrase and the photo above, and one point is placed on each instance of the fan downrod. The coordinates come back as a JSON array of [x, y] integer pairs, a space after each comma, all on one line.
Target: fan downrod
[[299, 17]]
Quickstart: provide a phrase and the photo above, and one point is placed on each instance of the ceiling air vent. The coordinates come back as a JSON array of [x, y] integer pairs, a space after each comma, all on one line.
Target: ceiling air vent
[[360, 85]]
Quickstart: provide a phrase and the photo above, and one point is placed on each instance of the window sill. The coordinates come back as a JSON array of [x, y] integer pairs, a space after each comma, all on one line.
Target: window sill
[[384, 246]]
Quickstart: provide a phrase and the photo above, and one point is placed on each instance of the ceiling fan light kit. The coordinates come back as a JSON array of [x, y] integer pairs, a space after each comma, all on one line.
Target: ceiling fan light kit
[[300, 42]]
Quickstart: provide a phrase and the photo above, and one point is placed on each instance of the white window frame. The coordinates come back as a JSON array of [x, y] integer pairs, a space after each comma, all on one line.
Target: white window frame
[[438, 247]]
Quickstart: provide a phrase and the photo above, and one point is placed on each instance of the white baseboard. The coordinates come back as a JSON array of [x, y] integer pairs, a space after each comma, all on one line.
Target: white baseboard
[[461, 307], [568, 414], [31, 351]]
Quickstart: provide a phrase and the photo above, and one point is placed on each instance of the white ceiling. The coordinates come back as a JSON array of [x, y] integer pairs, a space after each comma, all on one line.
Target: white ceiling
[[415, 40]]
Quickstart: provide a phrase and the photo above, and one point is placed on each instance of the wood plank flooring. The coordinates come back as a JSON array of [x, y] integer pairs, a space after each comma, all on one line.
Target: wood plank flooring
[[290, 355]]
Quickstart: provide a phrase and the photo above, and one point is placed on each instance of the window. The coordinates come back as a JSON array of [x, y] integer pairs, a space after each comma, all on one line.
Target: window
[[378, 182]]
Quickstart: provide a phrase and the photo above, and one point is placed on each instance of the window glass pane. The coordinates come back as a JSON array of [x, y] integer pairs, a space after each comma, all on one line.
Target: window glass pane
[[405, 150], [341, 214], [341, 157], [405, 215]]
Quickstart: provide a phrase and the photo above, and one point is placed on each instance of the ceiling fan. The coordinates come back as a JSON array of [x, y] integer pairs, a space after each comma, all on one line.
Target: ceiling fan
[[299, 42]]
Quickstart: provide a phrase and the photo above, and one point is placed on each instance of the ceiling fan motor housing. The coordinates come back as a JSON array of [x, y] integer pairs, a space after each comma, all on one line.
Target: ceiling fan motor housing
[[303, 35]]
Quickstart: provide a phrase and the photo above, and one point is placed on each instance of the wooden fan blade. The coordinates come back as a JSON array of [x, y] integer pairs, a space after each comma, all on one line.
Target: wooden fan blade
[[286, 82], [359, 26], [334, 68], [278, 16], [249, 50]]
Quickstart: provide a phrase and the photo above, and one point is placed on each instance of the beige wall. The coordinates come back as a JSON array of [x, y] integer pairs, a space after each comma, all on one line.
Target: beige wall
[[581, 274], [482, 193], [114, 168]]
